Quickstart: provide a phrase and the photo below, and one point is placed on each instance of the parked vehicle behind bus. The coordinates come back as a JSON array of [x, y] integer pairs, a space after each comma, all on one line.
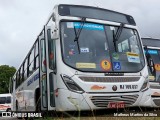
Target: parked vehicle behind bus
[[152, 51], [5, 102], [85, 58]]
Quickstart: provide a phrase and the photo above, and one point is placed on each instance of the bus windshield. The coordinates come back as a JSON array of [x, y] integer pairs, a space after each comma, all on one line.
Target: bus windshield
[[5, 100], [2, 100], [98, 50], [154, 68]]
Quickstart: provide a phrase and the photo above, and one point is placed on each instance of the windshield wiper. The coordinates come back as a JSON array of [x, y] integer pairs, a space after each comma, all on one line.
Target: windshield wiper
[[150, 62], [117, 35], [77, 34]]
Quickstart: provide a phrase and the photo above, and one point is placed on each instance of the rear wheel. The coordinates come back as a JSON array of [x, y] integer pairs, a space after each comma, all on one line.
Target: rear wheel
[[16, 106], [17, 109], [37, 100], [9, 110], [38, 105]]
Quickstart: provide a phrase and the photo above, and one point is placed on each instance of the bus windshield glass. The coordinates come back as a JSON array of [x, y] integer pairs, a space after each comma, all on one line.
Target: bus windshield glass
[[154, 68], [98, 51], [5, 100], [2, 100]]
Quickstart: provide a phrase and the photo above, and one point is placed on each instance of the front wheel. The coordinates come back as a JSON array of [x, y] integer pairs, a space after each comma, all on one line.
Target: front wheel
[[9, 110], [17, 110], [16, 106], [38, 105]]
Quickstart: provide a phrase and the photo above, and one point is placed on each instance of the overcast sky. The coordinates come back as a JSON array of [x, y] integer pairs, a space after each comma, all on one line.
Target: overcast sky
[[22, 20]]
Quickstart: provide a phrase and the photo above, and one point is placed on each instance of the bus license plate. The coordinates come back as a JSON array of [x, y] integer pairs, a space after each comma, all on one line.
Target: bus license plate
[[116, 105]]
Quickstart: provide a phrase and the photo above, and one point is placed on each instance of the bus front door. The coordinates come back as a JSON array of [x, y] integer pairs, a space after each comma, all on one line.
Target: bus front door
[[47, 69], [43, 73]]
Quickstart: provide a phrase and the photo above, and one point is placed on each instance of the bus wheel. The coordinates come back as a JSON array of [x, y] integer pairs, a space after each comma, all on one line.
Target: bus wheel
[[37, 100], [16, 106], [38, 106], [17, 110], [8, 110]]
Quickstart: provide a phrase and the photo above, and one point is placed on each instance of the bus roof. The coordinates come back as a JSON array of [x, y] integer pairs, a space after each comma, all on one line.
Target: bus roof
[[152, 42], [95, 13]]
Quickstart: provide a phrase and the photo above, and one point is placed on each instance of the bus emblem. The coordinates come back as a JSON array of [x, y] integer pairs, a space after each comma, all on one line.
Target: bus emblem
[[114, 88]]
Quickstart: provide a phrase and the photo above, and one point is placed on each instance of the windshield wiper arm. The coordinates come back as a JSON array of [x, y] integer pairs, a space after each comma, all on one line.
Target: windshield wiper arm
[[117, 35], [77, 34]]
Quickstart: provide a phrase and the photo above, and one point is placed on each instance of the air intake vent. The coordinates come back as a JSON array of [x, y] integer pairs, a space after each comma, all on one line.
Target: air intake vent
[[155, 86], [103, 101], [110, 79]]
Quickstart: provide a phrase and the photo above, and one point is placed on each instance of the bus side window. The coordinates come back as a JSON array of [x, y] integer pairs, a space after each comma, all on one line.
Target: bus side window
[[36, 62], [31, 68], [31, 62], [36, 65], [2, 100], [43, 56], [13, 85], [17, 79], [25, 69], [20, 75], [51, 51]]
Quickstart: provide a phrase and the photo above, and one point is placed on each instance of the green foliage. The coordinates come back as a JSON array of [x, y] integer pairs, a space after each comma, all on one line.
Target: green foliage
[[6, 72]]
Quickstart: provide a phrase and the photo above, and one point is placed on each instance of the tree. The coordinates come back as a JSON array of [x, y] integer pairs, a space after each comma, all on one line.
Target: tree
[[6, 72]]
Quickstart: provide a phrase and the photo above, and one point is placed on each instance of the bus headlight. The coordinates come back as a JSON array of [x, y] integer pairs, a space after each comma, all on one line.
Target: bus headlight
[[71, 85], [145, 85]]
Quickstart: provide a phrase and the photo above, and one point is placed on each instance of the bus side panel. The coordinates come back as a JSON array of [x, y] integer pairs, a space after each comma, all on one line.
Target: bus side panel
[[25, 94]]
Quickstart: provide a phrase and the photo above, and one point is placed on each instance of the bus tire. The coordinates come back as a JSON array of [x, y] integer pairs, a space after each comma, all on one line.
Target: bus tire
[[16, 106], [37, 100], [38, 106], [8, 110], [17, 110]]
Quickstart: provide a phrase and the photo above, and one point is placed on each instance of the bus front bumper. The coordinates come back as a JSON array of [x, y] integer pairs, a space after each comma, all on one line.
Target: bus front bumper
[[72, 101], [146, 100]]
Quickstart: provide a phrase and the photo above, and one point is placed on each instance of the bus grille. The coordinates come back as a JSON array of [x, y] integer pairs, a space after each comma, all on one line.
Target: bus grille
[[110, 79], [157, 102], [103, 101], [155, 86]]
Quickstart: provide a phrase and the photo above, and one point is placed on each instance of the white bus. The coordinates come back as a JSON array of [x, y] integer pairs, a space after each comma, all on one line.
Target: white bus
[[85, 58], [5, 102], [152, 51]]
